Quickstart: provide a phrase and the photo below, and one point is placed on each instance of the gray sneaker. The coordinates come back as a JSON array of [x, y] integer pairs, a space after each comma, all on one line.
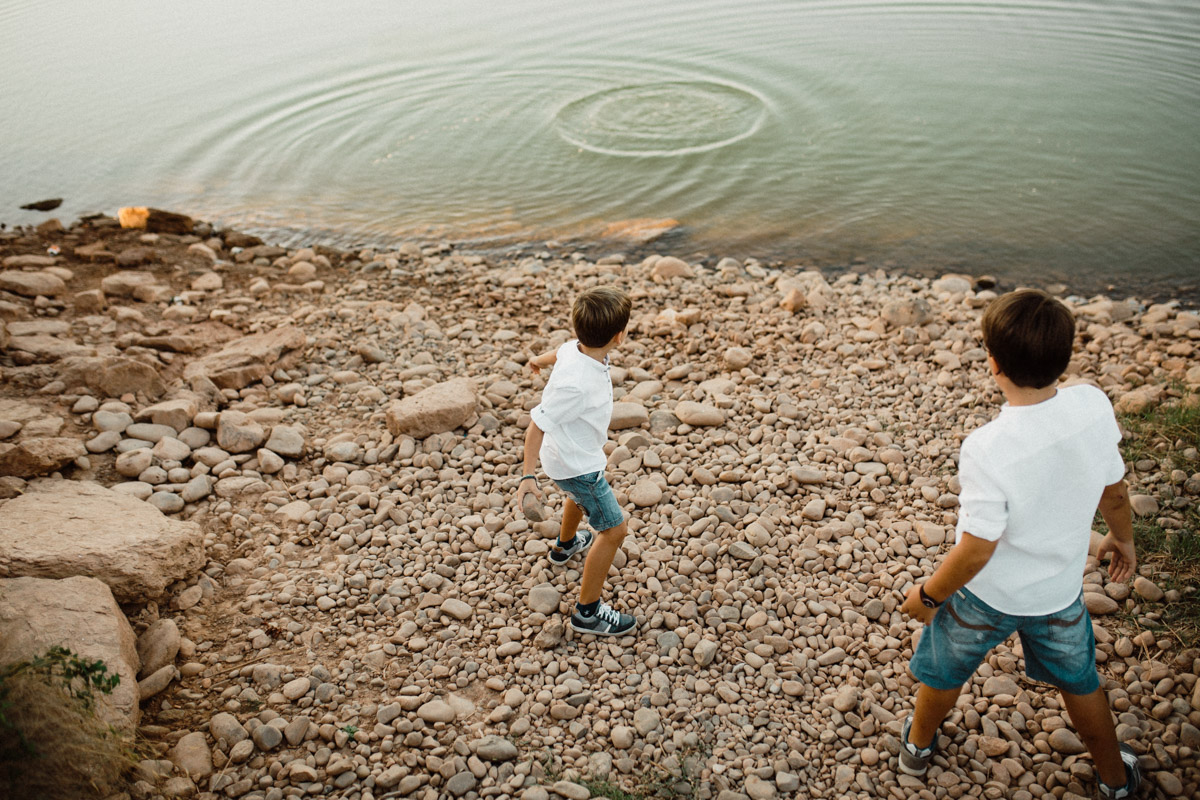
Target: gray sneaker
[[561, 555], [1133, 777], [914, 760], [607, 621]]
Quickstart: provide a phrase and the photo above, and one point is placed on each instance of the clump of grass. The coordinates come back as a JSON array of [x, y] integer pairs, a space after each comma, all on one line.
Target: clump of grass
[[52, 744], [1163, 434]]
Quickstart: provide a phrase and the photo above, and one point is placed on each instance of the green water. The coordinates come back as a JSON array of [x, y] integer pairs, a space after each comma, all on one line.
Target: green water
[[1028, 140]]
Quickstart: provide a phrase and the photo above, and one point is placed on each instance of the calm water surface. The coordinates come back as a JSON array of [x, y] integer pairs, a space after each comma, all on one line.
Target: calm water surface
[[1051, 139]]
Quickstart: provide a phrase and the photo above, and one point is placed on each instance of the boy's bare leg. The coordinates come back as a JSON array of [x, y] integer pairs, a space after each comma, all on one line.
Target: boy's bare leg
[[572, 516], [1091, 716], [932, 707], [599, 559]]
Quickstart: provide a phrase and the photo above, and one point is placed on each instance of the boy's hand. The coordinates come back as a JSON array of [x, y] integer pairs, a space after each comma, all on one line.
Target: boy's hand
[[1123, 557], [914, 608], [528, 486], [538, 363]]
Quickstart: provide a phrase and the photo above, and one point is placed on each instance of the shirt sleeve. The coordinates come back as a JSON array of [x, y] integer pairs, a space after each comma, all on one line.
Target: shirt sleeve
[[561, 402], [983, 508]]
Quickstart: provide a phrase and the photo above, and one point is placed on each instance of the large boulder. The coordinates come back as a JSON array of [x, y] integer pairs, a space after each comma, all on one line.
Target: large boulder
[[442, 407], [34, 458], [80, 614], [249, 359], [57, 529]]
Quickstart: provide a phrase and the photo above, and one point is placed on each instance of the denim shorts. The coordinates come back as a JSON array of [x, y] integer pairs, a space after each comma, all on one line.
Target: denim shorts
[[1060, 648], [592, 493]]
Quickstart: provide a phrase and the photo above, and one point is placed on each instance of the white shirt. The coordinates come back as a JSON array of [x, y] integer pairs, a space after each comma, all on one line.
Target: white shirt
[[1031, 481], [574, 414]]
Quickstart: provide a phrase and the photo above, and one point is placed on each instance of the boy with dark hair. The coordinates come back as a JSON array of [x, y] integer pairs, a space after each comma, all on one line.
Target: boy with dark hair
[[568, 431], [1031, 482]]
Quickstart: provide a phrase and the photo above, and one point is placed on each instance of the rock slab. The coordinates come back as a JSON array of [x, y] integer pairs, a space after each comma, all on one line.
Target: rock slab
[[59, 529]]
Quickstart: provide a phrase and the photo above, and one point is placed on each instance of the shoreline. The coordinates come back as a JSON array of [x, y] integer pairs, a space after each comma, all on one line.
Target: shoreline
[[338, 437], [638, 239]]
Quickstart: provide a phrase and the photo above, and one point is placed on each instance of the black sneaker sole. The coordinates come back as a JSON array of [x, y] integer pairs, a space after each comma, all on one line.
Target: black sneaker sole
[[604, 632]]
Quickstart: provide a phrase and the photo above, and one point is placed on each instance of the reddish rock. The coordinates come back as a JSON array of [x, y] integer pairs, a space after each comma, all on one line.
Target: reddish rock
[[249, 359], [442, 407], [36, 457]]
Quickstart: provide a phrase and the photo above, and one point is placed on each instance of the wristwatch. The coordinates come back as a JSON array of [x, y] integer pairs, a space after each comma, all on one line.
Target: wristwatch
[[926, 600]]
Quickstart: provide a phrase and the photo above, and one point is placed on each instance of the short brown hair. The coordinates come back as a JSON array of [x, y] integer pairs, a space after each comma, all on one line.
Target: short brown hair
[[599, 314], [1031, 335]]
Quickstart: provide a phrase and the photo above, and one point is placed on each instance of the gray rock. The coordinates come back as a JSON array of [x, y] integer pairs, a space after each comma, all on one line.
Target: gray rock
[[192, 756], [238, 433], [461, 783], [266, 737], [287, 441], [496, 748], [158, 645], [166, 502], [156, 682], [705, 651], [225, 726]]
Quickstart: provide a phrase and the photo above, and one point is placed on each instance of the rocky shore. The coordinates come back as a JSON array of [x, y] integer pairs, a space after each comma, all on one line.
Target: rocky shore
[[272, 488]]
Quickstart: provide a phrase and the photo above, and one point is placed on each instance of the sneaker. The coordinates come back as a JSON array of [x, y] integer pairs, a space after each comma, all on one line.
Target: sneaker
[[561, 555], [605, 622], [1133, 777], [914, 761]]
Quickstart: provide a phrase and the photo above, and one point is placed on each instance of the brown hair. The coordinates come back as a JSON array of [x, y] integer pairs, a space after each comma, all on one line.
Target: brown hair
[[1030, 334], [599, 314]]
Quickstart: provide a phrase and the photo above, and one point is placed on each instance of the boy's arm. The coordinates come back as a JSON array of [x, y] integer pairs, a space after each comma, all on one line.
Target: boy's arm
[[1118, 544], [533, 446], [963, 563], [548, 359]]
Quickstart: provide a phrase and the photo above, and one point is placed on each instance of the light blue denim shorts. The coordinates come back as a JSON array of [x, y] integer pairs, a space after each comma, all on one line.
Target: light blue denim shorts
[[1060, 648], [592, 493]]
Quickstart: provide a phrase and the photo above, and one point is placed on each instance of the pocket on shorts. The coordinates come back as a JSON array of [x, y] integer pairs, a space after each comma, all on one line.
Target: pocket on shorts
[[969, 624], [1067, 626]]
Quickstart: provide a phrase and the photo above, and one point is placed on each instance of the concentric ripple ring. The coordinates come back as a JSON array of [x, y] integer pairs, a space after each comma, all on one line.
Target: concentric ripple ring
[[661, 119]]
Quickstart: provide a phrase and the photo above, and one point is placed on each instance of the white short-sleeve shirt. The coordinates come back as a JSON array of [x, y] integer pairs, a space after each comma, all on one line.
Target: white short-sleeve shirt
[[574, 414], [1031, 482]]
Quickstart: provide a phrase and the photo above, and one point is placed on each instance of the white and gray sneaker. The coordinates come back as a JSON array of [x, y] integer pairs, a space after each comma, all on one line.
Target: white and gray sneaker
[[915, 760], [561, 555], [607, 621], [1133, 777]]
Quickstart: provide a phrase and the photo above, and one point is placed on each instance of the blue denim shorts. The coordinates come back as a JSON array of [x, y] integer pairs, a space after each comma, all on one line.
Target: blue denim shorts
[[1060, 648], [592, 493]]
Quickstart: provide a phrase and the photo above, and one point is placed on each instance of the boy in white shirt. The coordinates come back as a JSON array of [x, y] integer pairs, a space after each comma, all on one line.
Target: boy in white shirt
[[568, 431], [1031, 482]]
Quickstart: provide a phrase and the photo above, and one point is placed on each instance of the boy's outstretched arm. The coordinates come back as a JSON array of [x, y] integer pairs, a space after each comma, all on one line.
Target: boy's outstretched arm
[[963, 563], [533, 447], [548, 359], [1118, 544]]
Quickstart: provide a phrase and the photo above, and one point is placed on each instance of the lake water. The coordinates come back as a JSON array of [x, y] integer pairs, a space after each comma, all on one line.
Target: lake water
[[1042, 139]]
